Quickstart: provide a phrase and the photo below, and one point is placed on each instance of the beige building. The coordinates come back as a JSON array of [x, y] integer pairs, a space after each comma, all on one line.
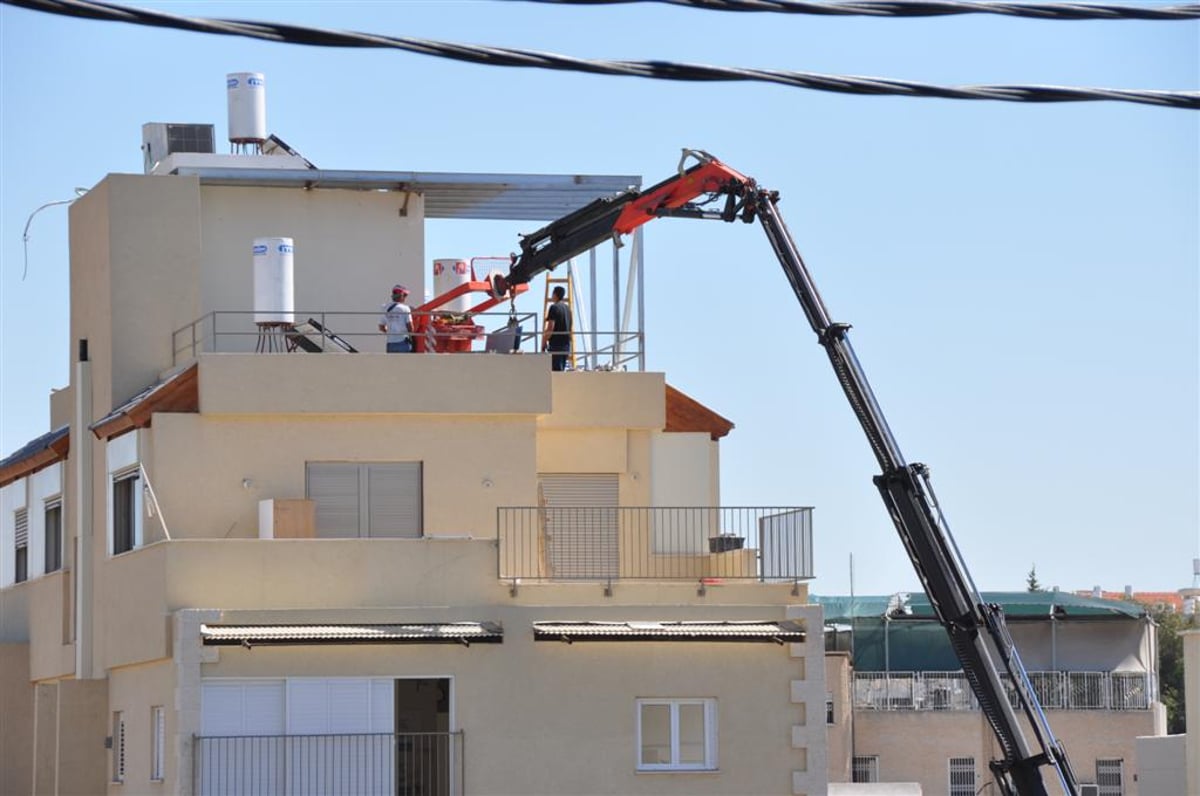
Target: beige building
[[246, 561], [901, 709]]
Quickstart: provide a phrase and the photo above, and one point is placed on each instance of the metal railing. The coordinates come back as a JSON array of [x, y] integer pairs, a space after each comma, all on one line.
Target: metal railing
[[357, 764], [349, 332], [655, 543], [1054, 690]]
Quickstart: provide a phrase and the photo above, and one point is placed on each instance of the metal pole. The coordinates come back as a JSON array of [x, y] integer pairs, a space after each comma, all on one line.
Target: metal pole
[[641, 297], [616, 303], [592, 301]]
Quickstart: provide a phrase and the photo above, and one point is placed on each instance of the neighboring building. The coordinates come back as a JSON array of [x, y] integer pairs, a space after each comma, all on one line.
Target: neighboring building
[[235, 567], [1167, 601], [913, 717]]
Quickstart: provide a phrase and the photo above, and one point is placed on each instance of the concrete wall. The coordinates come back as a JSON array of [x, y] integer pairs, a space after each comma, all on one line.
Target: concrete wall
[[134, 691], [16, 720], [915, 746], [1191, 689], [839, 735], [1162, 765], [350, 248]]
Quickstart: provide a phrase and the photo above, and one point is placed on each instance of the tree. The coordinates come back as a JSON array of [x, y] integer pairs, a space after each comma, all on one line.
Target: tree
[[1031, 581], [1170, 666]]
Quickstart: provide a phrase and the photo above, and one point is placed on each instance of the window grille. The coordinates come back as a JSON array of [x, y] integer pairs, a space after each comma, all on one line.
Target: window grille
[[158, 743], [54, 536], [118, 746], [865, 768], [21, 520], [1110, 777], [829, 714], [962, 776]]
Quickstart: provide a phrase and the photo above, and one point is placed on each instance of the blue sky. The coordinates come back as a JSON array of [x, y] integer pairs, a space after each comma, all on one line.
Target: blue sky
[[1022, 279]]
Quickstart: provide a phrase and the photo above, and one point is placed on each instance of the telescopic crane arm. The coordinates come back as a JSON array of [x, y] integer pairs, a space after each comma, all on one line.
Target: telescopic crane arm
[[977, 630]]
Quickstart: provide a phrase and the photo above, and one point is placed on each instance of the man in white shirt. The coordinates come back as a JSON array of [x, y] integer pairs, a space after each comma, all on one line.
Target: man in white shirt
[[396, 322]]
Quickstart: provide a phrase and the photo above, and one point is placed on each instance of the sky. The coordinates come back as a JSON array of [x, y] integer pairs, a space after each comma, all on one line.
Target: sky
[[1022, 279]]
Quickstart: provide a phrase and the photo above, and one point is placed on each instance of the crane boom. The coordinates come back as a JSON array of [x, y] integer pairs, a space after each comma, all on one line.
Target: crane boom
[[977, 630]]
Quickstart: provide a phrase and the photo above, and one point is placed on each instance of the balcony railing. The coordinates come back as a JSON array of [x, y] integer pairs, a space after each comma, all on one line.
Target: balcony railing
[[364, 764], [1054, 690], [655, 543], [348, 332]]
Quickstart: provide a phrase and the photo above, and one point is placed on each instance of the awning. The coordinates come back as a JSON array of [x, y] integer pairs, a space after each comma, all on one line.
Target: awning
[[465, 633], [506, 197], [746, 631], [179, 392], [35, 455]]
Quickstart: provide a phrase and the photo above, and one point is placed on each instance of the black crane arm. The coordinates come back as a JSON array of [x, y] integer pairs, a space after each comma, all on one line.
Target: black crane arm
[[977, 630]]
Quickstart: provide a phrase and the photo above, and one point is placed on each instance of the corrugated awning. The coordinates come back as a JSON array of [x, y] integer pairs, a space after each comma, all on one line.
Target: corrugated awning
[[505, 197], [778, 632], [465, 633]]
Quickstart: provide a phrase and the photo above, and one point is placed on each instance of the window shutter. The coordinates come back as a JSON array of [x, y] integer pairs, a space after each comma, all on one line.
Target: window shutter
[[394, 500], [581, 523], [22, 528], [335, 488]]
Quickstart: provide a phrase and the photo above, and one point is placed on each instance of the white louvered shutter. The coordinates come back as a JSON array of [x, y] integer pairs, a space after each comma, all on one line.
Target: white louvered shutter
[[394, 500], [581, 524], [335, 489]]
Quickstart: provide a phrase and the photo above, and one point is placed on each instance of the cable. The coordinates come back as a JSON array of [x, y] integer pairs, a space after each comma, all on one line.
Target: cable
[[662, 70], [927, 8]]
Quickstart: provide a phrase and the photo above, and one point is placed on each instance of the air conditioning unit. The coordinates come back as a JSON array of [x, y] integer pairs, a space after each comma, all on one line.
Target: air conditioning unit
[[160, 139], [1088, 789]]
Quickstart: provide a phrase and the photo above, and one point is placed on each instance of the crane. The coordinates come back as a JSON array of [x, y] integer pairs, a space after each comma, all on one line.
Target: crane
[[709, 189]]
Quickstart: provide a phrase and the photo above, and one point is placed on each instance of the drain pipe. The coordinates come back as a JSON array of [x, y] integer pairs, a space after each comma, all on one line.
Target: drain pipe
[[81, 452]]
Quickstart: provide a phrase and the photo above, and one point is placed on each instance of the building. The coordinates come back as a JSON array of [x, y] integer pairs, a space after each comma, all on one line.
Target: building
[[247, 561], [902, 710]]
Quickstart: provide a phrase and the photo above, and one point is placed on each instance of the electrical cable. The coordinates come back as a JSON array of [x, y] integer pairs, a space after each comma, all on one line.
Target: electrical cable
[[926, 8], [662, 70]]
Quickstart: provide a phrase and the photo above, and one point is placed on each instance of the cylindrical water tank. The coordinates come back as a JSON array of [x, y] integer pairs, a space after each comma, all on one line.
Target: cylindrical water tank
[[274, 295], [447, 275], [247, 93]]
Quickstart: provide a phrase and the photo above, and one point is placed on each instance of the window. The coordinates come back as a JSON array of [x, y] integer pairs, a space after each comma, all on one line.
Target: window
[[158, 743], [118, 746], [865, 768], [125, 507], [366, 499], [962, 776], [677, 734], [1110, 777], [829, 714], [21, 522], [54, 535]]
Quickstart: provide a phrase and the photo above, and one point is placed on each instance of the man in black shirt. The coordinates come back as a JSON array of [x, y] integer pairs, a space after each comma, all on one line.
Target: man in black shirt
[[556, 334]]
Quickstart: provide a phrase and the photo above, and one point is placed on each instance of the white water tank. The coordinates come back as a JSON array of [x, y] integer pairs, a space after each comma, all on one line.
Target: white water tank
[[274, 294], [447, 275], [247, 94]]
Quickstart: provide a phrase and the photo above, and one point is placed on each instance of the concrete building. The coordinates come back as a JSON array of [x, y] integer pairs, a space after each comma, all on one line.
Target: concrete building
[[902, 710], [245, 561]]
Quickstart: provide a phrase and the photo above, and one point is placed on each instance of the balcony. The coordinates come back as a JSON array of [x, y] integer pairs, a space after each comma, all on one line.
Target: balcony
[[1055, 691], [366, 764], [655, 544]]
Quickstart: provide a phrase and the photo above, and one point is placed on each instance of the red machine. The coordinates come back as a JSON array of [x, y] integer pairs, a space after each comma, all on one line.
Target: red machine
[[445, 332]]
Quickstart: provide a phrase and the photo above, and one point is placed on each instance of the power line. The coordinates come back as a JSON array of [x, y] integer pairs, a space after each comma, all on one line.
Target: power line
[[661, 70], [927, 8]]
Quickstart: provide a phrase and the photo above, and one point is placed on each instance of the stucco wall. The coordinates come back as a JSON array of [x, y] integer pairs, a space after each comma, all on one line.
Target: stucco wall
[[551, 718], [16, 720], [134, 691]]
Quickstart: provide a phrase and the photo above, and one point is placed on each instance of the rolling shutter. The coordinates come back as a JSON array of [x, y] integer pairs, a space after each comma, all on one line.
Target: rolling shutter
[[394, 500], [376, 499], [581, 524]]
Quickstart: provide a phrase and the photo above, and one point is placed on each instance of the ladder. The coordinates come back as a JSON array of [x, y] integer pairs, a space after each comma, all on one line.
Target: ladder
[[565, 281]]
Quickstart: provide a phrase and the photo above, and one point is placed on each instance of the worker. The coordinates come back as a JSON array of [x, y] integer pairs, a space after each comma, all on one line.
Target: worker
[[556, 334], [396, 322]]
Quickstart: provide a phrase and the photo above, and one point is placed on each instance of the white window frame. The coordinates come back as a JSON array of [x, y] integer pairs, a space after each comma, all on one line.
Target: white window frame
[[53, 503], [957, 771], [867, 764], [710, 734], [123, 463], [158, 743], [1106, 770], [118, 747]]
